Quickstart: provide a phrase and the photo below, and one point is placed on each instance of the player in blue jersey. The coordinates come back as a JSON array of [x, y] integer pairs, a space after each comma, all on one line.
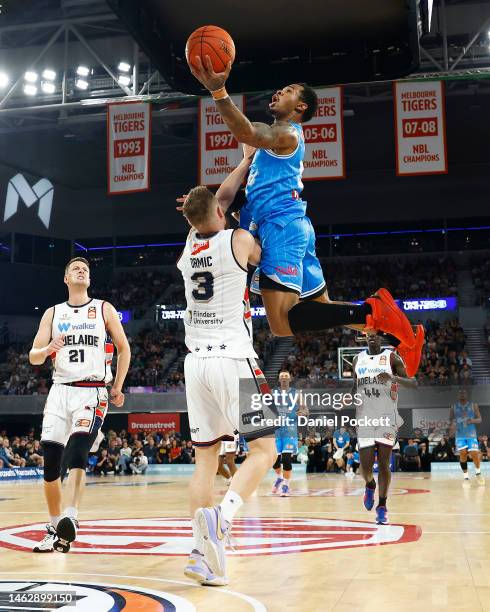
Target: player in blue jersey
[[289, 268], [464, 416], [289, 408]]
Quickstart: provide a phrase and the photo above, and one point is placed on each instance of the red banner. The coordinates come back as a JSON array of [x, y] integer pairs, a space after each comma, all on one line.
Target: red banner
[[164, 421]]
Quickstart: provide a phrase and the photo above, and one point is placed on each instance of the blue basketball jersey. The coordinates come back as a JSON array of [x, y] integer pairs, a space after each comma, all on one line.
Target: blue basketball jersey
[[461, 414], [274, 184], [287, 408]]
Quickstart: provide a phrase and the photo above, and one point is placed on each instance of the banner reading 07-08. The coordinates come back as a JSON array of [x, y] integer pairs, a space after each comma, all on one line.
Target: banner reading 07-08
[[420, 124], [324, 137], [219, 151]]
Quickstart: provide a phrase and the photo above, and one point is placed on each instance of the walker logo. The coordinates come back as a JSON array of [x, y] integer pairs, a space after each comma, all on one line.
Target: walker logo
[[63, 327], [15, 595], [362, 371], [19, 189], [254, 536]]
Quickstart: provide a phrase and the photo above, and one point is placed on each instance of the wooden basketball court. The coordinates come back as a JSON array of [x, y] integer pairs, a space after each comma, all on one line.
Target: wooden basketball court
[[317, 550]]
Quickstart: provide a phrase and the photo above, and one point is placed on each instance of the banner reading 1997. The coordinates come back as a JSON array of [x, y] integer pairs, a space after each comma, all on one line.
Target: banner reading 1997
[[420, 125], [219, 151], [324, 137]]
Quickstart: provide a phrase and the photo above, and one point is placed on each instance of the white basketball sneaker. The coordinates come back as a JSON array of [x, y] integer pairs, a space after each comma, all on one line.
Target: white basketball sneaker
[[46, 544]]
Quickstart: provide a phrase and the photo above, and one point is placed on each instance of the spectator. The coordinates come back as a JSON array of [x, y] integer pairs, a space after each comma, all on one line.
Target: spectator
[[104, 465], [124, 458], [411, 459], [484, 448], [188, 453], [174, 453], [151, 450], [443, 451], [140, 463]]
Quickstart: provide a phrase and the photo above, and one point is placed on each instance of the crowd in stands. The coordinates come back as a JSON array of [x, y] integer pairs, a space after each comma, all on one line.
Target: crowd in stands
[[480, 272], [444, 359], [136, 291], [410, 454]]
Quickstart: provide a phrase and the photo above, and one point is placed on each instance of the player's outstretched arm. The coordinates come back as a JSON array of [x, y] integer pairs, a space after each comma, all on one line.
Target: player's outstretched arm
[[279, 136], [43, 344], [232, 183], [118, 335], [399, 375], [245, 248]]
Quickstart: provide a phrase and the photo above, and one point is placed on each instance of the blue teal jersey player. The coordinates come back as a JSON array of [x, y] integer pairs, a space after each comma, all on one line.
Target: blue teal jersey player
[[289, 267], [464, 416]]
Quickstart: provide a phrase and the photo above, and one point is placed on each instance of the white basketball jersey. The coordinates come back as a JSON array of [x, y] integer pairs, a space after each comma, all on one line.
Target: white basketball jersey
[[377, 398], [217, 320], [85, 355]]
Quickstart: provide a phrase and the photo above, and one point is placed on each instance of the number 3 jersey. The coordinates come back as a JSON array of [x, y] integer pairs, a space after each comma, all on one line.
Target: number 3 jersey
[[86, 355], [378, 398], [217, 319]]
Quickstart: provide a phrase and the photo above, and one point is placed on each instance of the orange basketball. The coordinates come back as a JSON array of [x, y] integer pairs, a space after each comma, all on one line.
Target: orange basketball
[[213, 41]]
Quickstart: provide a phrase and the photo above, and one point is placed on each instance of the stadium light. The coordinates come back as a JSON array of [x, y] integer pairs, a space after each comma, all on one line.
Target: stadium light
[[48, 87], [83, 71], [30, 76], [124, 79], [49, 74], [4, 80], [81, 84], [124, 67], [30, 89]]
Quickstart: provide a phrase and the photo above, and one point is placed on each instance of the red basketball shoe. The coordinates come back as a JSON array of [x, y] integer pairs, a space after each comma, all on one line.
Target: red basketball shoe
[[387, 317]]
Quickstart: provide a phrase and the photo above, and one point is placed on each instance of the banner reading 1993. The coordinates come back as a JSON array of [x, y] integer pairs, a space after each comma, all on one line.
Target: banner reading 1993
[[420, 125], [128, 147], [219, 151], [324, 137]]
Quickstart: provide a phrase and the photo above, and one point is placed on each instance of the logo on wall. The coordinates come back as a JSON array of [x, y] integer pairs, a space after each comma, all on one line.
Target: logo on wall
[[19, 189], [254, 536], [87, 596]]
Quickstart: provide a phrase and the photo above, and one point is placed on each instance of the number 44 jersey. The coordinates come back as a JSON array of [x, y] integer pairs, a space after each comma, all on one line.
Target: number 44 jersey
[[86, 354], [217, 319]]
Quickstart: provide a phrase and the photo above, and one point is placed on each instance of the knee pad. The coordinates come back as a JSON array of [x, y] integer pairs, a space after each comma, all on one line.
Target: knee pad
[[286, 462], [77, 451], [53, 453], [277, 464]]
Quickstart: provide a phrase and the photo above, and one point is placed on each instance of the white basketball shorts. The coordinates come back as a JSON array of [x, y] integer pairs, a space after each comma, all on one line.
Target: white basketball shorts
[[212, 391], [70, 410]]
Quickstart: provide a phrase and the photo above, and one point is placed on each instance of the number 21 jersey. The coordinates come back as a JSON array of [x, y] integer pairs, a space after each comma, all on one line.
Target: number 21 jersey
[[217, 318], [85, 355]]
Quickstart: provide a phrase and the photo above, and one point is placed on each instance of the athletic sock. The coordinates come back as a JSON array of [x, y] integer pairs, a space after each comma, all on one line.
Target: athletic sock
[[382, 501], [466, 475], [71, 512], [285, 481], [477, 471], [230, 505], [316, 316], [54, 520], [198, 543], [371, 484]]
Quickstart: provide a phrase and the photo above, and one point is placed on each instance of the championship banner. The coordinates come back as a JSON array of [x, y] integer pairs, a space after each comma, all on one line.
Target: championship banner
[[420, 123], [165, 421], [128, 147], [324, 137], [219, 151]]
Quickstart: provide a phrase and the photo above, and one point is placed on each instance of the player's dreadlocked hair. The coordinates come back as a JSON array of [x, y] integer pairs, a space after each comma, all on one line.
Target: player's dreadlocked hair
[[309, 97]]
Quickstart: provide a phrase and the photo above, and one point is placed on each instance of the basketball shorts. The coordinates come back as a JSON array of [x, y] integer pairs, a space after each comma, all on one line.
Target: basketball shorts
[[380, 437], [228, 447], [212, 386], [70, 410], [286, 444], [289, 257], [470, 444]]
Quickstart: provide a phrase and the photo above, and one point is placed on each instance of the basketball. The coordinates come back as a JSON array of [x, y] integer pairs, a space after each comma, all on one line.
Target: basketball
[[213, 41]]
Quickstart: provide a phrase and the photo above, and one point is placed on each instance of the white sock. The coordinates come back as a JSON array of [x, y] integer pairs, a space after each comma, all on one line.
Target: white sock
[[466, 475], [477, 471], [71, 512], [54, 521], [230, 505], [198, 544], [286, 481]]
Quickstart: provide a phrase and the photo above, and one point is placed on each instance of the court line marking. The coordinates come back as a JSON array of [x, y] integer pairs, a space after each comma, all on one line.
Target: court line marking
[[279, 514], [254, 603]]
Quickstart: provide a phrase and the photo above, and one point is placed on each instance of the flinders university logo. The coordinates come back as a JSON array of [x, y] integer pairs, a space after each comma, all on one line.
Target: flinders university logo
[[19, 189]]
